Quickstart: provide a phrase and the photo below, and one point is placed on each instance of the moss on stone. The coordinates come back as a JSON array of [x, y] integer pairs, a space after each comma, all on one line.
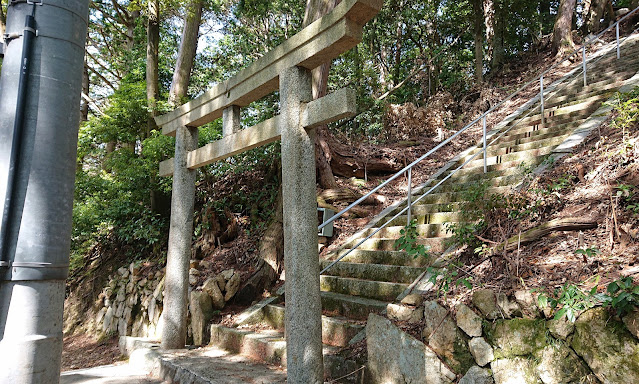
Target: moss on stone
[[518, 337]]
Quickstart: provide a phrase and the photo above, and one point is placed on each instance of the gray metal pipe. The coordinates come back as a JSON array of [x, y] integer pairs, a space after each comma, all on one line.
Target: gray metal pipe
[[39, 229]]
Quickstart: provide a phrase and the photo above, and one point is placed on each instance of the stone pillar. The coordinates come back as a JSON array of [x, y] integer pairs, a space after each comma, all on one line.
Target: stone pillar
[[180, 234], [230, 120], [301, 260]]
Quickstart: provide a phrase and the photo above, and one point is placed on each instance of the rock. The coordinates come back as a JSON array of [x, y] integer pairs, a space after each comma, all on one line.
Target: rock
[[558, 364], [518, 337], [121, 295], [468, 320], [142, 282], [608, 348], [486, 301], [205, 265], [561, 328], [123, 272], [443, 336], [100, 315], [517, 370], [194, 272], [404, 313], [108, 318], [413, 299], [201, 312], [159, 289], [631, 320], [528, 304], [481, 351], [396, 357], [152, 308], [227, 274], [221, 283], [120, 310], [194, 264], [476, 375], [509, 309], [232, 286], [211, 289], [122, 327], [192, 279]]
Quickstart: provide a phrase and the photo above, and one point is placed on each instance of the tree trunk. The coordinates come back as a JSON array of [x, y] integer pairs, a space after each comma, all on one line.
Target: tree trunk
[[314, 10], [489, 23], [186, 54], [479, 41], [562, 33], [565, 224], [594, 15], [84, 105], [499, 35], [152, 58]]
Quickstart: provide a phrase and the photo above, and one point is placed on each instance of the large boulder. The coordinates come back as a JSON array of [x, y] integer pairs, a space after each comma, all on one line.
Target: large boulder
[[395, 357], [610, 351], [441, 334], [481, 351]]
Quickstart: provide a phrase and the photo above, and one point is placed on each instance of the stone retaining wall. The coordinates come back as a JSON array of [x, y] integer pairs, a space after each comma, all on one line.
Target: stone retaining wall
[[502, 340], [131, 302]]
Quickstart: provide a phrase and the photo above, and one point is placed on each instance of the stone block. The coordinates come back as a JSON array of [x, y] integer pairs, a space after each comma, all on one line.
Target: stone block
[[442, 335], [481, 351], [631, 320], [517, 370], [213, 290], [518, 337], [201, 312], [486, 301], [558, 364], [396, 357], [468, 320], [561, 328], [477, 375], [608, 348]]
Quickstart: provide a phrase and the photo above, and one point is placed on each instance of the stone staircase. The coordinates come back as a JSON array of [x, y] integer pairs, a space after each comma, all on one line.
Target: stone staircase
[[374, 274]]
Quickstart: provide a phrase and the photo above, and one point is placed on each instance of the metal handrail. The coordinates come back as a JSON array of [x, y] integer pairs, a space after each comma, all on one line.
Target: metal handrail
[[408, 169]]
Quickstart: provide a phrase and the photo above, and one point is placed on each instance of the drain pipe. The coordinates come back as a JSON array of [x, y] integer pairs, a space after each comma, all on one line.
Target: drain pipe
[[16, 142], [38, 146]]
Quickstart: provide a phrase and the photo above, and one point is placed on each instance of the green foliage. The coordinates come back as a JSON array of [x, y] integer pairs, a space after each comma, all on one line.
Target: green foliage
[[627, 107], [407, 241], [588, 252], [569, 300], [445, 279], [623, 295]]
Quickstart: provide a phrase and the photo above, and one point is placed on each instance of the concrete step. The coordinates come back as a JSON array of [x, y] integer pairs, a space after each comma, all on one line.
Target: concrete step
[[525, 155], [378, 272], [378, 290], [336, 331], [264, 346], [352, 307], [503, 166], [534, 142], [561, 115], [393, 230], [388, 244], [381, 257], [426, 218], [542, 133]]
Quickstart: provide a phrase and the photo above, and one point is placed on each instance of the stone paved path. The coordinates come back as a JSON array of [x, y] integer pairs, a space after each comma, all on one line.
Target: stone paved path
[[208, 365], [108, 374]]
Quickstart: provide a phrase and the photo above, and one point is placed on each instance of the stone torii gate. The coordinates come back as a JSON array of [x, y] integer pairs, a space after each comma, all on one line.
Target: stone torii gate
[[287, 68]]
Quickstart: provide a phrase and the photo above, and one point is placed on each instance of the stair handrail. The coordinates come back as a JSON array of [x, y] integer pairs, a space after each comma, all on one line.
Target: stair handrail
[[408, 169]]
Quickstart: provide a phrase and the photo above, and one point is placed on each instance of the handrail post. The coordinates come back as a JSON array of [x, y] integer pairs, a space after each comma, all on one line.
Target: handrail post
[[617, 34], [484, 143], [583, 56], [541, 86], [410, 181]]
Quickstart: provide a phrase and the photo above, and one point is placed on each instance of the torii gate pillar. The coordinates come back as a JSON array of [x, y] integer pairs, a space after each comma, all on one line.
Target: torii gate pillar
[[303, 320]]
